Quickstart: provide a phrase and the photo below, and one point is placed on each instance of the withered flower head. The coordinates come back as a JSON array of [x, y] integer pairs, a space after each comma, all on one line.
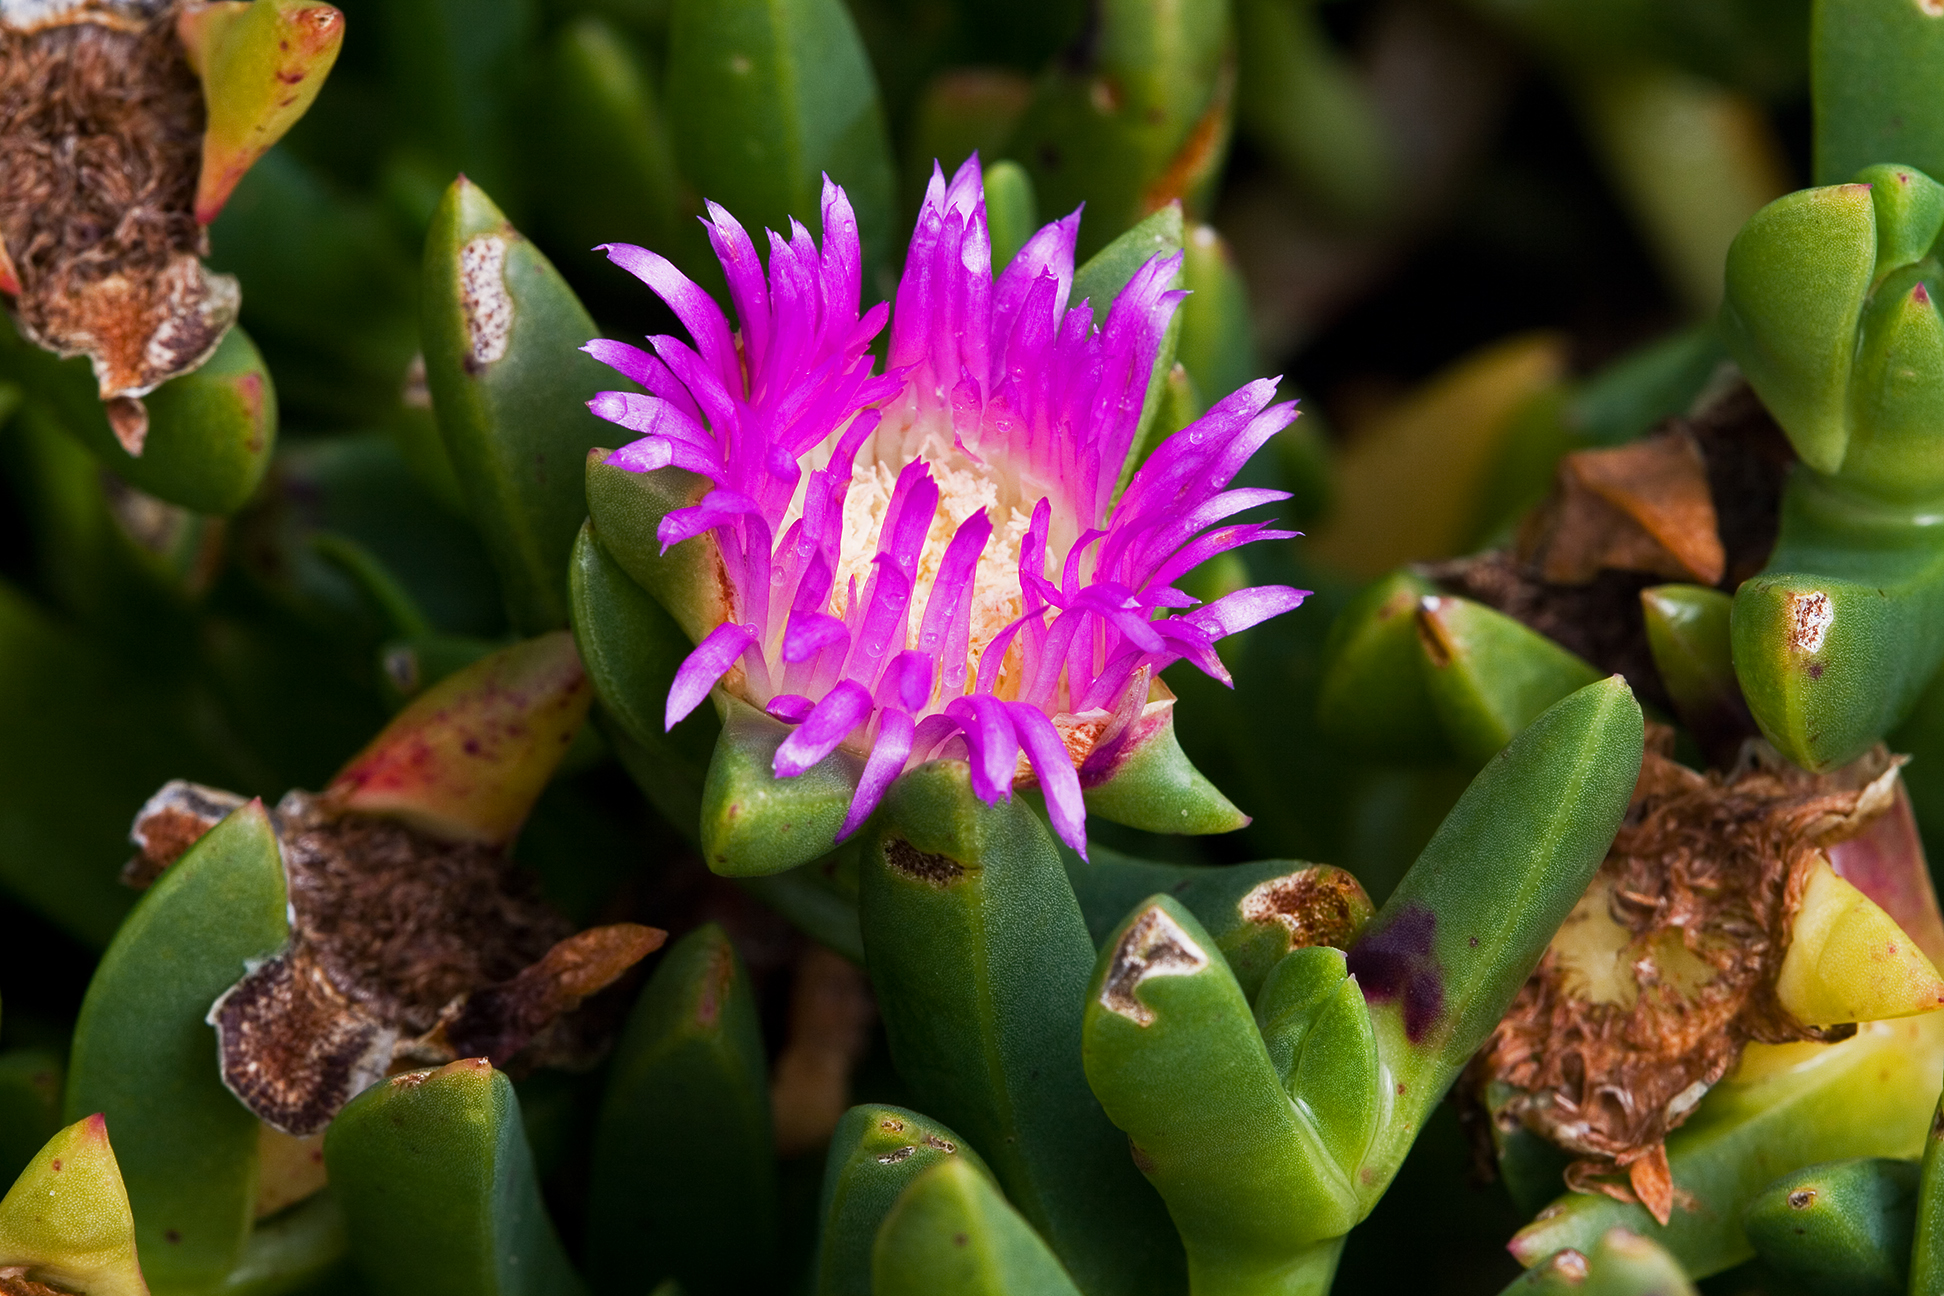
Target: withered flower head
[[1675, 958], [101, 130]]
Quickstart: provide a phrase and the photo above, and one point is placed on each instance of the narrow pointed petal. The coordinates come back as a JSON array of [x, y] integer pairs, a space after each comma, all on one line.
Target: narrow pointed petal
[[711, 660]]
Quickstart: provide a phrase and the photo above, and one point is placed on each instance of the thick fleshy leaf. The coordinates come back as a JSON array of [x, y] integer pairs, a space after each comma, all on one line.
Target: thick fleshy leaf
[[1374, 698], [1174, 1055], [469, 757], [1840, 1227], [1848, 961], [145, 1056], [683, 1180], [1487, 675], [208, 434], [987, 1029], [1687, 633], [66, 1219], [874, 1155], [951, 1233], [627, 509], [765, 98], [261, 65], [436, 1181], [754, 823], [1443, 958], [502, 333], [1873, 64]]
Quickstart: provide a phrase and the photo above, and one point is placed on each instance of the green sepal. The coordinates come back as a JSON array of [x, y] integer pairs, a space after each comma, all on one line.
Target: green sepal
[[502, 332], [145, 1056], [985, 1027], [764, 99], [754, 823], [1150, 783], [632, 649], [951, 1233], [436, 1180], [1012, 211], [1804, 1104], [1255, 913], [1442, 960], [1687, 633], [1797, 277], [875, 1153], [1489, 676], [1318, 1034], [1304, 105], [1175, 1056], [1843, 1227], [66, 1219], [30, 1106], [1874, 69], [626, 508], [1373, 698], [210, 432], [684, 1174], [1137, 118]]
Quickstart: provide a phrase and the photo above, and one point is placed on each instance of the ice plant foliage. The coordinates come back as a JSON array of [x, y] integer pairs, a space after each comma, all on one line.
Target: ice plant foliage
[[931, 561]]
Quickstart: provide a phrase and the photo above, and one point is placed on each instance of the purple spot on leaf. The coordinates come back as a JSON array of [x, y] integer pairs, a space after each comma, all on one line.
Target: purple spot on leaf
[[1395, 962]]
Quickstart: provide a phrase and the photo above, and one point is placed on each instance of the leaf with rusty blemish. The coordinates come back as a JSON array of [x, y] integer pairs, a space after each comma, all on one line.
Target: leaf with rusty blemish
[[875, 1153], [436, 1181], [684, 1174], [510, 386], [261, 65], [466, 760], [951, 1233], [1841, 1227], [986, 1027]]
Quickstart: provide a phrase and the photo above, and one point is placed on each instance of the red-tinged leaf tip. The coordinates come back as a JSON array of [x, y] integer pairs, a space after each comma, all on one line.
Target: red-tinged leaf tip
[[467, 760]]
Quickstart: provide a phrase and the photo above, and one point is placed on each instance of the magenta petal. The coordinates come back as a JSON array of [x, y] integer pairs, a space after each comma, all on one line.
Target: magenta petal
[[717, 507], [995, 746], [907, 680], [1234, 613], [886, 762], [693, 306], [1058, 780], [701, 669], [810, 633], [829, 723], [790, 708]]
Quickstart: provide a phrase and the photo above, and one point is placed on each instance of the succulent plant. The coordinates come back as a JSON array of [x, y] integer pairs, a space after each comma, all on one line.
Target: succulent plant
[[1079, 880]]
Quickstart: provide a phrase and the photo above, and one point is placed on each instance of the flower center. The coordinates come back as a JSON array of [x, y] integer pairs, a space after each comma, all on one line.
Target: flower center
[[965, 485]]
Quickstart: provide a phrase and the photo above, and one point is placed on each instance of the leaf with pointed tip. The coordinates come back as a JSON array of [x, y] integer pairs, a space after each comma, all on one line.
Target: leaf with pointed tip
[[66, 1219], [875, 1153], [436, 1181], [985, 1026], [502, 333], [1149, 782], [952, 1234], [145, 1056], [1374, 699], [1489, 676], [683, 1180]]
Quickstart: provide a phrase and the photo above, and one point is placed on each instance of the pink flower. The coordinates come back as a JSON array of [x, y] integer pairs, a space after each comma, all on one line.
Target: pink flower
[[932, 561]]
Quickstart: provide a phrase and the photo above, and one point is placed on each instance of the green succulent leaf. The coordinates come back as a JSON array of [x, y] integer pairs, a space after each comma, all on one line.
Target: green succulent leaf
[[1487, 675], [1844, 1226], [754, 823], [684, 1178], [875, 1154], [980, 959], [436, 1181], [66, 1219], [1874, 67], [145, 1056], [509, 385], [951, 1233]]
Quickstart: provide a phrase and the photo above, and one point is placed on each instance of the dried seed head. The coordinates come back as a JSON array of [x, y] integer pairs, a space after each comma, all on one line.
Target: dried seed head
[[101, 122], [1669, 965], [169, 823], [1315, 906]]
